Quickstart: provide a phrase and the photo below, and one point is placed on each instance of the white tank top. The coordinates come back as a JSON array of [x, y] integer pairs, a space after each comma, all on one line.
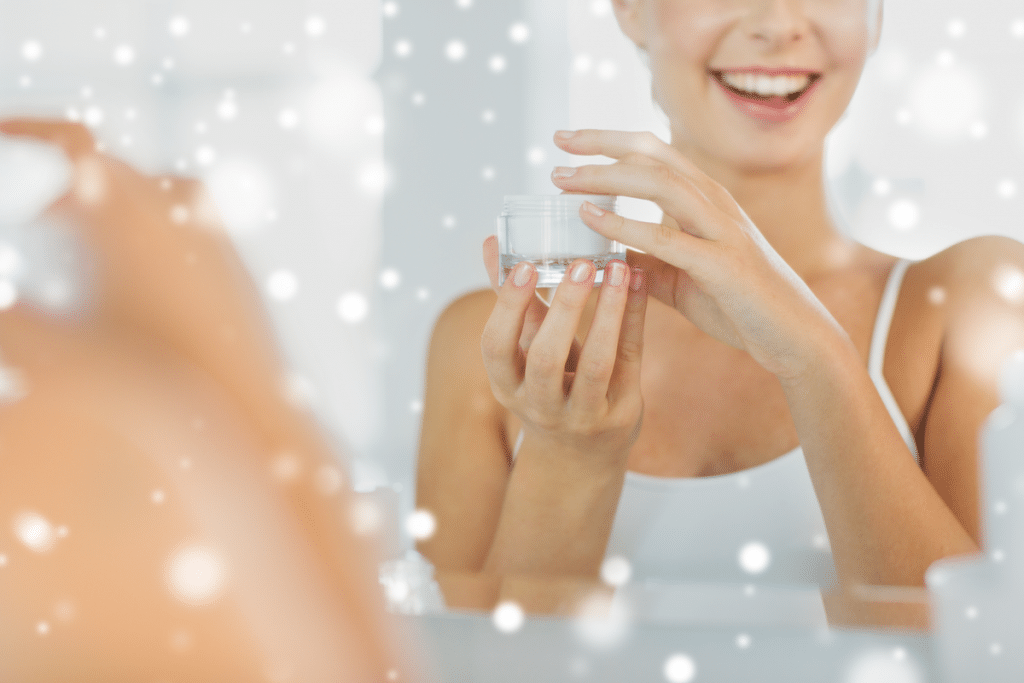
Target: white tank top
[[705, 529]]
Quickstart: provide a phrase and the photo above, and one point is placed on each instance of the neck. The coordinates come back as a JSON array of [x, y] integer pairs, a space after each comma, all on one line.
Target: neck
[[790, 208]]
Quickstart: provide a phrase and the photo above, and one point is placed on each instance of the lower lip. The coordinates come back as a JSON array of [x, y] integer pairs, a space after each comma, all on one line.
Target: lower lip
[[765, 112]]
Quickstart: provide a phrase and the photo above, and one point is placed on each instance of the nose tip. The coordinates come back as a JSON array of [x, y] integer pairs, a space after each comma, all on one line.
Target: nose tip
[[778, 21]]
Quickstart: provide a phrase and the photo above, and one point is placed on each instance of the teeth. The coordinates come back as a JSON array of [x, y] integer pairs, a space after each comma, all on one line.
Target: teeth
[[766, 86]]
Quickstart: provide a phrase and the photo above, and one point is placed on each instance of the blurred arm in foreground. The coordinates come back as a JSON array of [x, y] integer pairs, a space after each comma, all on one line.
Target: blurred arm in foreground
[[173, 514]]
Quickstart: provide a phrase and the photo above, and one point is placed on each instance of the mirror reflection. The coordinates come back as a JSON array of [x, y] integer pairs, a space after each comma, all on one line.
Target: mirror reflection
[[261, 387]]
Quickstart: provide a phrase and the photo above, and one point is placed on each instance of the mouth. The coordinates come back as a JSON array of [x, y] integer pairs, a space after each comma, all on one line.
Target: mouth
[[777, 89]]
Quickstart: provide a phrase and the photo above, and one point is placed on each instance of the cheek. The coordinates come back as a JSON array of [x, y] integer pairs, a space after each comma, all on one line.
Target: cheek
[[690, 31]]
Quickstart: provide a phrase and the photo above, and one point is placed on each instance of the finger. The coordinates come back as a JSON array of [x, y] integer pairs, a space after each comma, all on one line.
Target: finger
[[597, 359], [499, 343], [74, 138], [673, 192], [674, 247], [538, 307], [546, 360], [625, 376], [621, 145]]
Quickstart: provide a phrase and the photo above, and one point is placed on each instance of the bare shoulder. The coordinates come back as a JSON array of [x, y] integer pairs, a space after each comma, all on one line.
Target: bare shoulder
[[465, 315], [455, 362], [981, 268]]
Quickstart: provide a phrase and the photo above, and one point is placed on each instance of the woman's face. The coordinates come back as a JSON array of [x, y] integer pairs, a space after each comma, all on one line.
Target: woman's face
[[752, 84]]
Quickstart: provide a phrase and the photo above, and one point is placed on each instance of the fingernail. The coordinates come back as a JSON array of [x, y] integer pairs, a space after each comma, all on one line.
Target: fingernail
[[524, 271], [636, 279], [593, 209], [617, 273], [563, 172], [565, 134], [580, 272]]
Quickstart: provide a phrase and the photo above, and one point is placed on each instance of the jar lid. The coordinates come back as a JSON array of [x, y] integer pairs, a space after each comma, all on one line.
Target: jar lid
[[554, 204]]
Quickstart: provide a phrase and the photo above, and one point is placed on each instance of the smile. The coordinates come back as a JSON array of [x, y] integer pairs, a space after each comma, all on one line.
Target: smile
[[767, 94]]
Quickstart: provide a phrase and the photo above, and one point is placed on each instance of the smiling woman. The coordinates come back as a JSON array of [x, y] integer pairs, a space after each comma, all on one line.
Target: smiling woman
[[785, 394]]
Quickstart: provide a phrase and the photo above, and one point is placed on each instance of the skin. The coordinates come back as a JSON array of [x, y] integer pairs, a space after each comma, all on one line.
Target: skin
[[169, 384], [755, 338]]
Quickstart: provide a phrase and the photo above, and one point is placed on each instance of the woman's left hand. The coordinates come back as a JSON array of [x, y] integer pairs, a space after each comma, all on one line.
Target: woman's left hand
[[715, 267]]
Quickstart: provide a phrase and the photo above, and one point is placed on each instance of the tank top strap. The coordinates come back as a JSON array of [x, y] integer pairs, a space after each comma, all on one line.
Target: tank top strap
[[876, 352]]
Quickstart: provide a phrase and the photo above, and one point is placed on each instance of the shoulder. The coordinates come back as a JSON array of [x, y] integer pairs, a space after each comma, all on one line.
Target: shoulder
[[977, 283], [461, 323], [455, 364]]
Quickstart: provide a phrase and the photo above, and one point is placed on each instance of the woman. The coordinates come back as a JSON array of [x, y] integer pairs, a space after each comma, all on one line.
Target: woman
[[759, 429], [164, 506]]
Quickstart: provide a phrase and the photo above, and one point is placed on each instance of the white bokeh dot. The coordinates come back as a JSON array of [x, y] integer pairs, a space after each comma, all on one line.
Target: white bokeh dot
[[288, 118], [519, 32], [536, 156], [419, 99], [42, 628], [679, 668], [124, 55], [421, 524], [995, 649], [937, 295], [157, 496], [315, 26], [487, 173], [8, 294], [403, 48], [448, 221], [978, 130], [881, 186], [455, 50], [205, 155], [365, 516], [956, 28], [600, 8], [497, 63], [1017, 28], [390, 278], [415, 406], [616, 571], [903, 214], [196, 575], [754, 557], [464, 4], [1008, 281], [1006, 188], [422, 293], [282, 285], [743, 641], [35, 531], [971, 612], [3, 560], [390, 9], [488, 116], [227, 108], [31, 50], [353, 307], [178, 26], [508, 617], [93, 116], [582, 63]]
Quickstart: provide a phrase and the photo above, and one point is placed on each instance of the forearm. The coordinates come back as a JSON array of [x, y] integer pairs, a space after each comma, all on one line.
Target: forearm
[[557, 515], [886, 522]]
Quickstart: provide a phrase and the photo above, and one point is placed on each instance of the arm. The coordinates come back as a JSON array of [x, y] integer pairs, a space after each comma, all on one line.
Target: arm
[[720, 272], [178, 284], [463, 463]]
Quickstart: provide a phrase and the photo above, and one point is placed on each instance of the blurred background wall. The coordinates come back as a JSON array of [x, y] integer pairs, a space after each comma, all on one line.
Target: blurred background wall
[[360, 149]]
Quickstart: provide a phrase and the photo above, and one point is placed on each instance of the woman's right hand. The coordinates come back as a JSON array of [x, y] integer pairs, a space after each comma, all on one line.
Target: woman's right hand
[[591, 409]]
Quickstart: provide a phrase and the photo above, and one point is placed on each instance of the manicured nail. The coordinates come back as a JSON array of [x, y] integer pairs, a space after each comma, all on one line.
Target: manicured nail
[[524, 271], [565, 134], [636, 279], [563, 172], [580, 272], [616, 273], [593, 209]]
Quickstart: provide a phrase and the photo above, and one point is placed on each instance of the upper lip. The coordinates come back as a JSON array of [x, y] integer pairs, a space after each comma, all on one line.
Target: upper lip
[[767, 70]]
